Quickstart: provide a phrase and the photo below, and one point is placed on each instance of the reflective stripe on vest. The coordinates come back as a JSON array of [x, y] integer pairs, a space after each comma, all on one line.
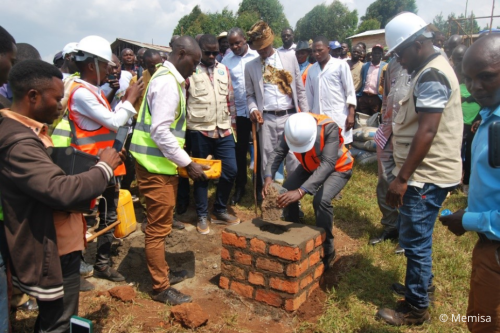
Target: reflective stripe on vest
[[61, 136], [91, 141], [143, 148], [311, 160]]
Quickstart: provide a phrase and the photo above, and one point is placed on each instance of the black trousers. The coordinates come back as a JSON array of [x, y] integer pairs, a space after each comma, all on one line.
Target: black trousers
[[322, 202], [243, 130], [468, 136], [54, 316], [107, 216]]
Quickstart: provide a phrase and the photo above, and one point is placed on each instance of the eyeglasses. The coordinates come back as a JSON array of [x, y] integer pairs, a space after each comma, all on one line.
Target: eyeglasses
[[209, 53]]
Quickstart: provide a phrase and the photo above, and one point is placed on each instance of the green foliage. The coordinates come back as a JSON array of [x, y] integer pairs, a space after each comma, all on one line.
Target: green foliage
[[334, 21], [452, 28], [384, 10], [198, 22], [371, 24], [270, 11]]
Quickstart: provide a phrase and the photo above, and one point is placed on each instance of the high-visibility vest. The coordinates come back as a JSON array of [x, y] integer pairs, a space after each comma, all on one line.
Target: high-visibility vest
[[310, 160], [304, 75], [87, 141], [143, 148]]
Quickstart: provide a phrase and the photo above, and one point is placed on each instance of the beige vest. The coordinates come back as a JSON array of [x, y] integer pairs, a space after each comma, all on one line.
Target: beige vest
[[442, 164], [207, 103]]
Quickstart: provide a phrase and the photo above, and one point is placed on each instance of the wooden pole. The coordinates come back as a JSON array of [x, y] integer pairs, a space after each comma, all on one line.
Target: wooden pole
[[492, 10], [255, 161], [97, 234]]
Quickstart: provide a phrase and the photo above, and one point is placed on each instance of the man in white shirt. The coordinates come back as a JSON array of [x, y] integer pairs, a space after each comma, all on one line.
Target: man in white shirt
[[236, 62], [330, 89], [287, 38]]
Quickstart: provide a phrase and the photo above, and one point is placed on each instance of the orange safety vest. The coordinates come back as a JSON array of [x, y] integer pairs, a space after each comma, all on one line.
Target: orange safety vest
[[304, 75], [310, 160], [91, 141]]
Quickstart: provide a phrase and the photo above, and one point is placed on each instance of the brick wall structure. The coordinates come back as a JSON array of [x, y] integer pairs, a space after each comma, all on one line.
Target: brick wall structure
[[277, 263]]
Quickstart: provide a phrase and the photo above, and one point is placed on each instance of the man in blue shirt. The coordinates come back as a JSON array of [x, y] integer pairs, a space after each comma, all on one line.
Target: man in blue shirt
[[481, 70]]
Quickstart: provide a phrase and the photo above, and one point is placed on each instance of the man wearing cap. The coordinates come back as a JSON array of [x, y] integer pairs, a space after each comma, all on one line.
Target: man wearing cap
[[223, 46], [287, 38], [325, 167], [69, 66], [303, 52], [274, 91], [58, 59], [93, 125], [330, 90], [427, 156], [335, 49], [236, 63], [369, 98]]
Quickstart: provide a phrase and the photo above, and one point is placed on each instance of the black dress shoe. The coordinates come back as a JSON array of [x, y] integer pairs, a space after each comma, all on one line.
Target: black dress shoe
[[399, 250], [387, 234], [238, 195], [328, 259], [400, 289], [178, 225], [171, 296], [175, 277], [404, 314], [108, 273], [30, 305]]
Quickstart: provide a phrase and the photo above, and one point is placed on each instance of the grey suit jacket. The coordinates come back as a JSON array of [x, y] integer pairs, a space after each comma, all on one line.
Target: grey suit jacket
[[254, 84]]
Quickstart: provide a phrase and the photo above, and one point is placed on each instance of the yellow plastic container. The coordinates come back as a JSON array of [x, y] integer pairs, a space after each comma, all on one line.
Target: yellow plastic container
[[126, 215], [213, 173]]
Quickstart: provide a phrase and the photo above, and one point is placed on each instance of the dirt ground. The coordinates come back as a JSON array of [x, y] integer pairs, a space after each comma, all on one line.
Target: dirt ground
[[200, 256]]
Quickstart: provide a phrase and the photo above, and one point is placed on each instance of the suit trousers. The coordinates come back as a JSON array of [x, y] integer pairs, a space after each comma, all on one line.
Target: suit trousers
[[269, 136], [322, 202], [386, 164], [160, 192], [244, 128]]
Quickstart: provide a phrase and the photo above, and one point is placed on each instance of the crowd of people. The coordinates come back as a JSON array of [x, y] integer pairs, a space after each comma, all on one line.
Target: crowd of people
[[203, 99]]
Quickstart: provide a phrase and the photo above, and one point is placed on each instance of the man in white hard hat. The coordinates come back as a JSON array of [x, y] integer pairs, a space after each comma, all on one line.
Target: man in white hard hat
[[325, 167], [427, 157], [93, 125]]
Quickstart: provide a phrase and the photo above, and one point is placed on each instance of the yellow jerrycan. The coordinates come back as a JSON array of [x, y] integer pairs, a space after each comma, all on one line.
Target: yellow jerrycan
[[126, 215]]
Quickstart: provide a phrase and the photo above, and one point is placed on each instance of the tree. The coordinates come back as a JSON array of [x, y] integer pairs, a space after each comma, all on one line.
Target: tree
[[371, 24], [198, 22], [334, 21], [452, 28], [384, 10]]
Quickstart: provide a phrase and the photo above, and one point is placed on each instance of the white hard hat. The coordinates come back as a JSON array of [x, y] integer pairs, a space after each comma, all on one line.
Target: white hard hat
[[404, 27], [94, 46], [69, 48], [300, 132]]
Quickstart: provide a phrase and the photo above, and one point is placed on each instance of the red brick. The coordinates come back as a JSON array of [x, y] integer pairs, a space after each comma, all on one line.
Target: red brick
[[268, 297], [256, 278], [297, 269], [224, 282], [320, 239], [242, 289], [313, 259], [242, 258], [269, 265], [233, 240], [305, 281], [256, 245], [313, 287], [294, 303], [319, 270], [224, 254], [291, 287], [233, 271], [285, 252], [309, 245]]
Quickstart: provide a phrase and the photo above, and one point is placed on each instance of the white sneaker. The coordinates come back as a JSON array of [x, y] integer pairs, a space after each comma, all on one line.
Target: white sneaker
[[465, 189]]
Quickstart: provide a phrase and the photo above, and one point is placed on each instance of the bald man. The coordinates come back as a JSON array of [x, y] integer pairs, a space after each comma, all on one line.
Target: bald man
[[481, 71], [451, 43]]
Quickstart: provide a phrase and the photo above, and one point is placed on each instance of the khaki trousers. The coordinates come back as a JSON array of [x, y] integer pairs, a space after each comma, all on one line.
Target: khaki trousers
[[160, 192], [484, 296]]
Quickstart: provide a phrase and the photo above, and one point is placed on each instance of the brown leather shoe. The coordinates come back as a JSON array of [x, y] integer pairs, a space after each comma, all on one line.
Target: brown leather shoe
[[404, 314]]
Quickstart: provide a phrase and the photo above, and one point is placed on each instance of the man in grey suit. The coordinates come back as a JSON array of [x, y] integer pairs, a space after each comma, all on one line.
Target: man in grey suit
[[274, 91]]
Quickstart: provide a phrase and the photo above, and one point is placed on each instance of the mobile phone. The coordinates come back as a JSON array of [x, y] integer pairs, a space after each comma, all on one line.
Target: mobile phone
[[121, 137], [80, 325], [494, 144], [139, 73], [111, 77]]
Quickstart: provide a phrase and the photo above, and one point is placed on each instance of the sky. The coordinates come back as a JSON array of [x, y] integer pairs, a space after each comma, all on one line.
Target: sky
[[50, 24]]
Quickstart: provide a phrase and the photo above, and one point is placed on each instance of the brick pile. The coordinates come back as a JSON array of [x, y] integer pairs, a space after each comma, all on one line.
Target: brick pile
[[276, 263]]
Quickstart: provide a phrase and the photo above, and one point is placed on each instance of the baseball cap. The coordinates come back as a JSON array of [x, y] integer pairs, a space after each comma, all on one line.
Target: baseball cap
[[378, 46], [58, 56], [335, 45], [222, 35]]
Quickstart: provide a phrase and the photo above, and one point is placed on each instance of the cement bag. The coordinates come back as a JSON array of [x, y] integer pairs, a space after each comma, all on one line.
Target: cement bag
[[366, 157], [355, 152], [367, 145], [374, 120], [364, 134], [360, 120]]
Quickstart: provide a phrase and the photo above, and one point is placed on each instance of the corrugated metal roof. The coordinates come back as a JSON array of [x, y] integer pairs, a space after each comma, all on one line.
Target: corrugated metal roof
[[369, 33], [140, 44]]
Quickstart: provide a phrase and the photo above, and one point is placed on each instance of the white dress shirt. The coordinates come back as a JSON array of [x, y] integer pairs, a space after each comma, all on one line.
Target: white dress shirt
[[163, 99], [330, 91], [236, 65], [292, 48], [274, 100], [89, 114]]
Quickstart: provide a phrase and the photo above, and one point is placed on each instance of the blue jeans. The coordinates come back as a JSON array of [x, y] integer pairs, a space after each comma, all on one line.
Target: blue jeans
[[416, 223], [4, 300], [222, 149]]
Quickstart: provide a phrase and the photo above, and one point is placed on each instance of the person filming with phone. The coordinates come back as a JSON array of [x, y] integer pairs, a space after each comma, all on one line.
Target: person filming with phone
[[481, 71]]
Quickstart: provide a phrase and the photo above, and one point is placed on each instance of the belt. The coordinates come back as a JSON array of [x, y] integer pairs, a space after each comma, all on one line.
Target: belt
[[280, 113], [369, 94], [484, 239]]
